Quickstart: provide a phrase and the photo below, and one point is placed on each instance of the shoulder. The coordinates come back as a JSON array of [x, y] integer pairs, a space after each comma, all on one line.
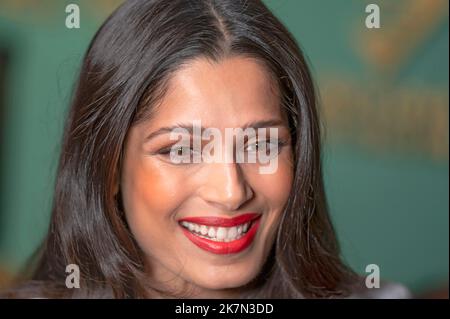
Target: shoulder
[[387, 290], [33, 289], [52, 290]]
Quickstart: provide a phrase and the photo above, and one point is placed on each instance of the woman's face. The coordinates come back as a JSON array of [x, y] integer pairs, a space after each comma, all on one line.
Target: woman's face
[[239, 207]]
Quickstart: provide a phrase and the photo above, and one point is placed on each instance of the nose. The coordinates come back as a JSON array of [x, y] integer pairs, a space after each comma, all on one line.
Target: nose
[[225, 187]]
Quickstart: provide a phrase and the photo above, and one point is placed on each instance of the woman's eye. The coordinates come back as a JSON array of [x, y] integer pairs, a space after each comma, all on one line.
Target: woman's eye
[[178, 150], [178, 154], [186, 154], [270, 144]]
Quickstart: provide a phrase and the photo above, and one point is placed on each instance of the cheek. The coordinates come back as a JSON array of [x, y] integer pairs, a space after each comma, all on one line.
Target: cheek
[[151, 194], [276, 187], [146, 186]]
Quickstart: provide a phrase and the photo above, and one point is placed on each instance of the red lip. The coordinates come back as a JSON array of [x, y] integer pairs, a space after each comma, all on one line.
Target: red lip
[[224, 222], [218, 247]]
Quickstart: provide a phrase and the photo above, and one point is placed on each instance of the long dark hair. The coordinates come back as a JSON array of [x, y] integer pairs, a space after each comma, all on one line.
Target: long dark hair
[[123, 76]]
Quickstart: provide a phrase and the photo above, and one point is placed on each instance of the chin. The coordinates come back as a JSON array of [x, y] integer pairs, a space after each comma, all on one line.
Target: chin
[[225, 277]]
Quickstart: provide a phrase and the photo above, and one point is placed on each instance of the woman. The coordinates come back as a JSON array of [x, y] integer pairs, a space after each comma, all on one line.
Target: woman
[[139, 225]]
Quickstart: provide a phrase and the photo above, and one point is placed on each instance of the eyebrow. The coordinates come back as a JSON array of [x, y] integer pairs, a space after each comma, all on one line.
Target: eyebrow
[[189, 127]]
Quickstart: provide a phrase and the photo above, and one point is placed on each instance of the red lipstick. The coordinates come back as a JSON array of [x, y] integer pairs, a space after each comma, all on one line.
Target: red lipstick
[[247, 224]]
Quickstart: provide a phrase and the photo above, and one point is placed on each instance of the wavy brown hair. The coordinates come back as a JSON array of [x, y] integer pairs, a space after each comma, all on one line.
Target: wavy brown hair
[[124, 74]]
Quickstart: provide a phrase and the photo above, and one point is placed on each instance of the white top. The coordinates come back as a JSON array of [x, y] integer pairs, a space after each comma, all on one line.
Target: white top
[[387, 290]]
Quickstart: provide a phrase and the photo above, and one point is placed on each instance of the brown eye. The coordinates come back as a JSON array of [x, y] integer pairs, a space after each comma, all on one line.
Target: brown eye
[[177, 154], [179, 150], [270, 144]]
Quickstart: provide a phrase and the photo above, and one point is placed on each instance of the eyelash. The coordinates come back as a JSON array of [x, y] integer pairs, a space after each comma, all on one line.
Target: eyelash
[[166, 151], [279, 142]]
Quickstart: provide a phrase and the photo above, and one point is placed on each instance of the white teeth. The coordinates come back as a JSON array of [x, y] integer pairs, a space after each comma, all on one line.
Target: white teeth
[[232, 233], [221, 233], [203, 230], [224, 234], [211, 232]]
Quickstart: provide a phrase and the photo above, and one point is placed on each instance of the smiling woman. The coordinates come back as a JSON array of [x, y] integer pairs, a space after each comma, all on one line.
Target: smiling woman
[[139, 225], [159, 195]]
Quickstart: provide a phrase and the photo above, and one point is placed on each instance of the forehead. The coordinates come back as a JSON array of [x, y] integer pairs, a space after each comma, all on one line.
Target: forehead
[[221, 94]]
